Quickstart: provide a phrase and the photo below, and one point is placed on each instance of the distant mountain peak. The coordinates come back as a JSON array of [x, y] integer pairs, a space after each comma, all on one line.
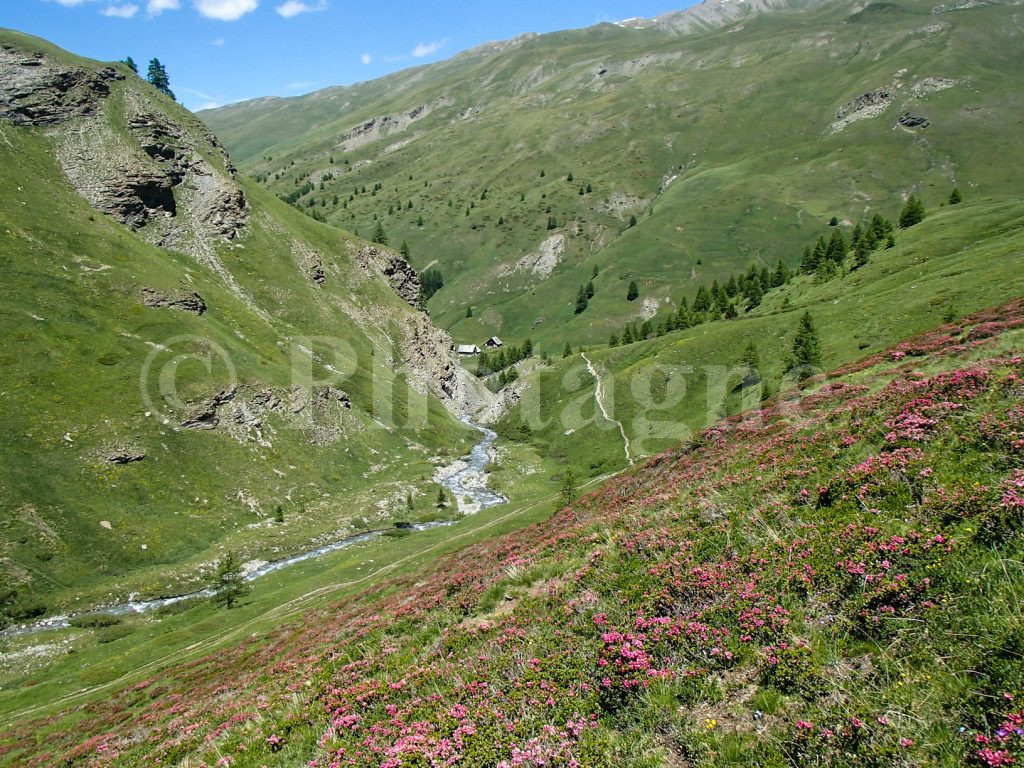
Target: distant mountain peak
[[711, 14]]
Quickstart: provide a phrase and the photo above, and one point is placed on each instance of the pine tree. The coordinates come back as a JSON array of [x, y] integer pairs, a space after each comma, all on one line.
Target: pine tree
[[633, 293], [228, 586], [628, 337], [912, 213], [702, 303], [469, 311], [379, 235], [613, 340], [569, 177], [567, 352], [860, 256], [646, 330], [567, 492], [404, 250], [751, 362], [806, 346], [593, 273], [442, 498], [632, 221], [955, 197], [837, 247], [855, 235], [129, 62], [590, 289], [157, 77], [581, 300], [278, 514], [807, 261]]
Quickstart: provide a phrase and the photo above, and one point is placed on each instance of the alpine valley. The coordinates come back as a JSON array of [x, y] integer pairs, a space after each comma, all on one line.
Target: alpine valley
[[647, 394]]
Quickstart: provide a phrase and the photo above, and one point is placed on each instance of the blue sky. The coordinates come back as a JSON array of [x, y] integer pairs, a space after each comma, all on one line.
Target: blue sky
[[220, 51]]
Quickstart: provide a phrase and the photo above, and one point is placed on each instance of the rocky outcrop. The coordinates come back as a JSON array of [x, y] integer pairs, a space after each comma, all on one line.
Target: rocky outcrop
[[867, 105], [378, 127], [913, 120], [125, 456], [157, 169], [189, 302], [399, 273], [204, 416], [427, 352], [33, 91]]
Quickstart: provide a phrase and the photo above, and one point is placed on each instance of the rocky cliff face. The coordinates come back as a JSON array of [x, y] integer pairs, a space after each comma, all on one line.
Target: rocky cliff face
[[171, 180], [399, 273], [162, 173]]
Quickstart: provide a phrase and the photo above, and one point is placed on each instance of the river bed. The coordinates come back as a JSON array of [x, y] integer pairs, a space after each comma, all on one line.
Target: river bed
[[466, 478]]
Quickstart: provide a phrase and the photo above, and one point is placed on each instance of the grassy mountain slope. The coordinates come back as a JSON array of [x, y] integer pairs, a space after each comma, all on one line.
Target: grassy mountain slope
[[665, 390], [105, 490], [727, 146], [839, 589]]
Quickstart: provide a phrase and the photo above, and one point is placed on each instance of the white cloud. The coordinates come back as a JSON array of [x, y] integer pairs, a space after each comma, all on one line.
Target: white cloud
[[366, 58], [125, 11], [425, 49], [294, 7], [71, 3], [219, 41], [207, 105], [226, 10], [156, 7]]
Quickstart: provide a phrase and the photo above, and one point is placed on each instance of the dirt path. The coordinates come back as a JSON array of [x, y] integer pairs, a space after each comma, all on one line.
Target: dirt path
[[281, 613], [599, 397]]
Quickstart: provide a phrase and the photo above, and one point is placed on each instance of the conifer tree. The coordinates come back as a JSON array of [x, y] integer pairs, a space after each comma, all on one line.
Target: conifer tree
[[590, 289], [379, 235], [469, 311], [228, 586], [806, 346], [567, 352], [567, 492], [613, 341], [581, 300], [129, 62], [632, 293], [855, 235], [751, 362], [157, 77], [912, 213], [955, 197], [702, 302]]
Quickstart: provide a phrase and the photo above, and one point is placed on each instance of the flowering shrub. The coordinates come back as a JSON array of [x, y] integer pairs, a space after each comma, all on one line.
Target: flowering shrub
[[667, 617]]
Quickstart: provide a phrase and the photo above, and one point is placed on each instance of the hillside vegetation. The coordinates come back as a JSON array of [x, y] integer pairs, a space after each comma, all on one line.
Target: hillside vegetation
[[664, 390], [188, 363], [517, 169], [836, 585]]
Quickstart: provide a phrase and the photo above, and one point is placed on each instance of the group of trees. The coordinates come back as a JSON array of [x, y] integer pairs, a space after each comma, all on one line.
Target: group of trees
[[156, 74], [714, 303], [489, 363], [805, 356], [431, 281], [586, 293]]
